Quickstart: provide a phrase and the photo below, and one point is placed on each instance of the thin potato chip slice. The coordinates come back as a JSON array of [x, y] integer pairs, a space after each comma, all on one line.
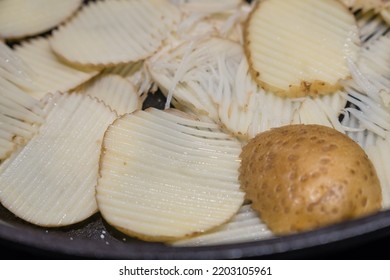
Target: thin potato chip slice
[[137, 74], [207, 6], [20, 118], [300, 47], [14, 69], [250, 110], [322, 111], [365, 5], [165, 176], [116, 92], [245, 226], [51, 74], [21, 18], [51, 181], [197, 74], [113, 32]]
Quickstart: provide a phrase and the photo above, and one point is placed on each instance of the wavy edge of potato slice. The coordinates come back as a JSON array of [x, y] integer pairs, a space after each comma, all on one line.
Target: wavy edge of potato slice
[[59, 165], [164, 175]]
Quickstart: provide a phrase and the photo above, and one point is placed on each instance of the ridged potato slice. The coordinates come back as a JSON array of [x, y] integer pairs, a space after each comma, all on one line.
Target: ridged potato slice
[[115, 91], [165, 176], [22, 18], [106, 33], [364, 5], [20, 118], [136, 73], [322, 111], [245, 226], [51, 181], [14, 69], [300, 47], [207, 6], [197, 75], [51, 74]]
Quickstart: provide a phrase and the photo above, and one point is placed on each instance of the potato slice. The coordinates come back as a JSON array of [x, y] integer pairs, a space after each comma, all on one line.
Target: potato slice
[[197, 74], [165, 176], [322, 111], [137, 74], [245, 226], [113, 32], [300, 47], [22, 18], [20, 118], [51, 74], [51, 181], [207, 6], [14, 69], [365, 5], [116, 92]]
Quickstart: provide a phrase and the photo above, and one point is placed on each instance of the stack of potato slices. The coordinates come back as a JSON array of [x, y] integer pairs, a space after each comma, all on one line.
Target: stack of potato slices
[[71, 99]]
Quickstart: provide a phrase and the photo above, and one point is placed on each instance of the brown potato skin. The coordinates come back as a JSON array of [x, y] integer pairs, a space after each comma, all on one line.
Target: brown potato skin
[[301, 177]]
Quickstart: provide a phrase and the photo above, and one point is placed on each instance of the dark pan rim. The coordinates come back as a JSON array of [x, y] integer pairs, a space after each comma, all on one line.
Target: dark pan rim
[[355, 231]]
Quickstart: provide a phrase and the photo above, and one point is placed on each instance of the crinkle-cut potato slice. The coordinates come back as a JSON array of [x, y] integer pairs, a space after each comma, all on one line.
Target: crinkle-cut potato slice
[[249, 110], [14, 69], [374, 62], [207, 6], [245, 226], [365, 5], [22, 18], [136, 73], [115, 91], [300, 47], [51, 73], [110, 32], [20, 117], [197, 74], [51, 181], [322, 111], [165, 176]]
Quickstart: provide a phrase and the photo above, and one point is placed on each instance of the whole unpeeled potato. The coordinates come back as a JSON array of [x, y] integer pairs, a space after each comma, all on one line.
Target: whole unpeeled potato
[[301, 177]]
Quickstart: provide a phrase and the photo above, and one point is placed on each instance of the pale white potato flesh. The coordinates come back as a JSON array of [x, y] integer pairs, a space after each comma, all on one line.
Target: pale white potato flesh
[[368, 91], [137, 74], [245, 226], [21, 18], [20, 118], [323, 110], [207, 6], [165, 176], [14, 69], [365, 5], [59, 165], [51, 74], [106, 33], [197, 74], [249, 110], [115, 91], [300, 47]]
